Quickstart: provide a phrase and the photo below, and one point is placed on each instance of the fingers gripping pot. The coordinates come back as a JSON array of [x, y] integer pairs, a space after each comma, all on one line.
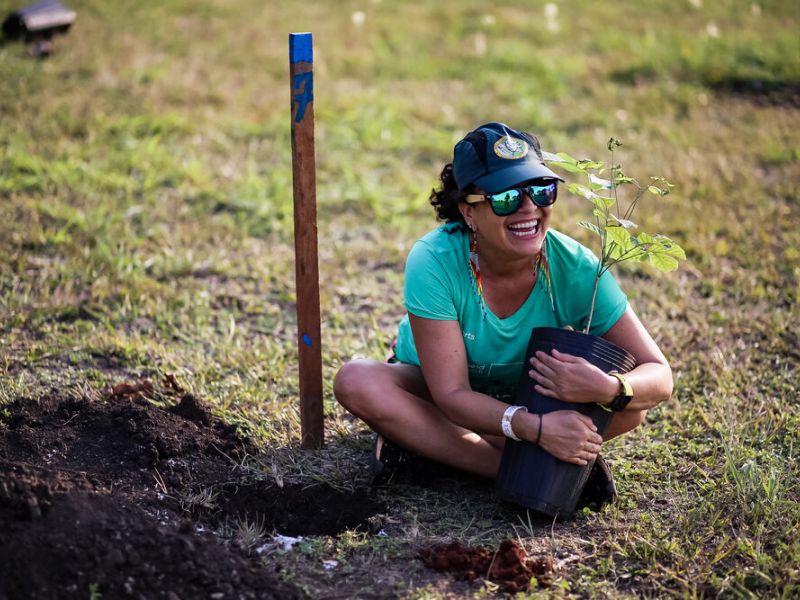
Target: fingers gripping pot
[[529, 475]]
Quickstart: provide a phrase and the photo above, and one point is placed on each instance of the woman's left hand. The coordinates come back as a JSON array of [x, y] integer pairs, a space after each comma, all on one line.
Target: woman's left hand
[[569, 378]]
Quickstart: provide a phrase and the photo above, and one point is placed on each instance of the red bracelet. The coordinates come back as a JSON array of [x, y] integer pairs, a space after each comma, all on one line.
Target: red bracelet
[[539, 433]]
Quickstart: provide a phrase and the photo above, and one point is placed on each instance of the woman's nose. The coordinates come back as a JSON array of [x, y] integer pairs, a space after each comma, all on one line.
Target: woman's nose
[[529, 201]]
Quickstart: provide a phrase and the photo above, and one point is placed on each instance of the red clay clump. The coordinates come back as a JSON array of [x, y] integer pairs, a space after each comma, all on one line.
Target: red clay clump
[[510, 566]]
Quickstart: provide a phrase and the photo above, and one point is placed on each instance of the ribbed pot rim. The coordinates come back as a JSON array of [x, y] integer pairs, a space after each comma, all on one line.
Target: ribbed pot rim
[[595, 350], [599, 347]]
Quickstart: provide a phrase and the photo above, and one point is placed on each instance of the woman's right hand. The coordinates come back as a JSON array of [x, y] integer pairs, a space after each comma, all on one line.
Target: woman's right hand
[[570, 436]]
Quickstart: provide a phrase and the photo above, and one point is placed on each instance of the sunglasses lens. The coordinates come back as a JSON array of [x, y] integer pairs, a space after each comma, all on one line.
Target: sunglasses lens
[[505, 203], [543, 195], [508, 202]]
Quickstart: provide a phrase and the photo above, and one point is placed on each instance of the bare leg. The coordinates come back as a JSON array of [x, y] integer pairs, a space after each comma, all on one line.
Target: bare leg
[[623, 422], [394, 401]]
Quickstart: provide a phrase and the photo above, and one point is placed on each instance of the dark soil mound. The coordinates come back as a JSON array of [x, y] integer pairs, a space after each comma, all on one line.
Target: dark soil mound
[[509, 566], [119, 497], [115, 437], [99, 541]]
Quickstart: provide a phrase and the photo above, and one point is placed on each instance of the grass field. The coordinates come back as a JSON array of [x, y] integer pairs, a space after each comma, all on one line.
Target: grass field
[[146, 228]]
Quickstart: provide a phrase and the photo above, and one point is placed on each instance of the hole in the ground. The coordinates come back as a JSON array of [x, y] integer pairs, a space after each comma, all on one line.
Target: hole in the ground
[[317, 510]]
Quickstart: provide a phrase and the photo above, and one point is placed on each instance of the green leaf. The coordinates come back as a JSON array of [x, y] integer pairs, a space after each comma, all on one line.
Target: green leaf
[[659, 190], [663, 180], [613, 250], [563, 160], [653, 189], [619, 177], [663, 262], [588, 164], [590, 227], [564, 157], [581, 190], [667, 246], [677, 252], [618, 242], [620, 236], [624, 222], [660, 251], [600, 184], [613, 143], [550, 157], [572, 168], [602, 202]]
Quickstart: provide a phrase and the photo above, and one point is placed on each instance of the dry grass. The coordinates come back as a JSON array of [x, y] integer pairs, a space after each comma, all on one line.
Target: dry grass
[[145, 228]]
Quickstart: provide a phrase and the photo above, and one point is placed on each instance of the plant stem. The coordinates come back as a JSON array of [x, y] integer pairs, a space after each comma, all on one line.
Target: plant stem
[[594, 295], [640, 191], [622, 258], [614, 183]]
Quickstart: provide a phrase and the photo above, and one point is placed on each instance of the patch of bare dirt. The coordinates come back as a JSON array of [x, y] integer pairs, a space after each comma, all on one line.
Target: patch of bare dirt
[[118, 496]]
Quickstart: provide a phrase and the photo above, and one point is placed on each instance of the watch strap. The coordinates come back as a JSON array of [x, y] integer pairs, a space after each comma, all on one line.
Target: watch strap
[[625, 396]]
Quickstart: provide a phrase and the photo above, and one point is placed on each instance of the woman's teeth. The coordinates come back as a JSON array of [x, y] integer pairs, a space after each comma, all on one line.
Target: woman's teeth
[[525, 228]]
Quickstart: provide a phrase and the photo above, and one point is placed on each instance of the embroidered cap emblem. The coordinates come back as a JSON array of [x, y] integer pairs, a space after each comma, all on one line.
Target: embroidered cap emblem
[[510, 148]]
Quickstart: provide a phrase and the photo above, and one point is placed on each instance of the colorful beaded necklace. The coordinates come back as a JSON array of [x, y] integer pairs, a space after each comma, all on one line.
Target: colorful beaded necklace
[[541, 268]]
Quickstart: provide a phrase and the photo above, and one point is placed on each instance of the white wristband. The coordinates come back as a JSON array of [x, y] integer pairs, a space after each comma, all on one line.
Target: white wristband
[[505, 422]]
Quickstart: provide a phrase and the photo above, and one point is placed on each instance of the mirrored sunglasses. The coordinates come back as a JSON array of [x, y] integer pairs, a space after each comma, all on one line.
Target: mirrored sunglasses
[[509, 201]]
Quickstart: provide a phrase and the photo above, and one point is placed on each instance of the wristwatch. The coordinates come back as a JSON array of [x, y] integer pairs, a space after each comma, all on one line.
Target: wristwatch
[[624, 397]]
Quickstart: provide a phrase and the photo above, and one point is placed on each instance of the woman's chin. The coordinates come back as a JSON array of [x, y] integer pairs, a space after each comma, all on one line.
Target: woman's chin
[[527, 243]]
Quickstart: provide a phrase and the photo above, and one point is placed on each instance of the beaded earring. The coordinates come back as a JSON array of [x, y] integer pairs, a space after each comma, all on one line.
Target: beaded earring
[[475, 269]]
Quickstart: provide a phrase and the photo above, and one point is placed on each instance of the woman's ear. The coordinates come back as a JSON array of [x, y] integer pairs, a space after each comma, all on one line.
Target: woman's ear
[[466, 212]]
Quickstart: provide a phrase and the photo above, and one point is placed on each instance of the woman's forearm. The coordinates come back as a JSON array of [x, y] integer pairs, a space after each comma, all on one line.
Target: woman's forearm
[[483, 414], [651, 384], [474, 411], [566, 434]]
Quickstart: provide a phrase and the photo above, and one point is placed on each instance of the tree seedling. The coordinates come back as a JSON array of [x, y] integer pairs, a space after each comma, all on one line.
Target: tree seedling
[[619, 239]]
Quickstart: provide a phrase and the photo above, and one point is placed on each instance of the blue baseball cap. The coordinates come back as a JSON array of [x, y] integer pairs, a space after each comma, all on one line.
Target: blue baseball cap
[[495, 158]]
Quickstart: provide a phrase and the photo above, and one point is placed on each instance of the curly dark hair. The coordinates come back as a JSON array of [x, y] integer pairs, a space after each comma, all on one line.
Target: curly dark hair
[[447, 198]]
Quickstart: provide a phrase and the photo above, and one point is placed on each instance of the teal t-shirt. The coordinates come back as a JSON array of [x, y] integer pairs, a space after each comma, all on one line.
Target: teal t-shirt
[[439, 285]]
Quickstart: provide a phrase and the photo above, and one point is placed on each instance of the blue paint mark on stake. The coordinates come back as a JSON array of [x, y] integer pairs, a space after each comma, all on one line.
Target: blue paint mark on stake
[[306, 96], [300, 48], [307, 339]]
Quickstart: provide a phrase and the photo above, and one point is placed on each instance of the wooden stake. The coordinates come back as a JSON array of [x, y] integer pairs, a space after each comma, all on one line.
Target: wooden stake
[[305, 238]]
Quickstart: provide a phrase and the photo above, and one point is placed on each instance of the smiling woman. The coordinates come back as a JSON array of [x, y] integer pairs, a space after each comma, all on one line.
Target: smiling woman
[[474, 289]]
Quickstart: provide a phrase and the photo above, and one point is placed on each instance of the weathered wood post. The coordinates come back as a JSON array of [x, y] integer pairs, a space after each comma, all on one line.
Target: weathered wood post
[[301, 72]]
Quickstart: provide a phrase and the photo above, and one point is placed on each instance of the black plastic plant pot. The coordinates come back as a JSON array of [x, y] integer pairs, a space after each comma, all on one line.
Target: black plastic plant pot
[[530, 476]]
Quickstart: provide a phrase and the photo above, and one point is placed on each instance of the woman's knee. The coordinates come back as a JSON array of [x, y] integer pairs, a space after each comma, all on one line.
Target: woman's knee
[[376, 391], [353, 383]]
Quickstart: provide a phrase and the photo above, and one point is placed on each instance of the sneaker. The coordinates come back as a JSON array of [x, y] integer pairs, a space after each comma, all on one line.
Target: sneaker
[[600, 488], [387, 460], [390, 463]]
